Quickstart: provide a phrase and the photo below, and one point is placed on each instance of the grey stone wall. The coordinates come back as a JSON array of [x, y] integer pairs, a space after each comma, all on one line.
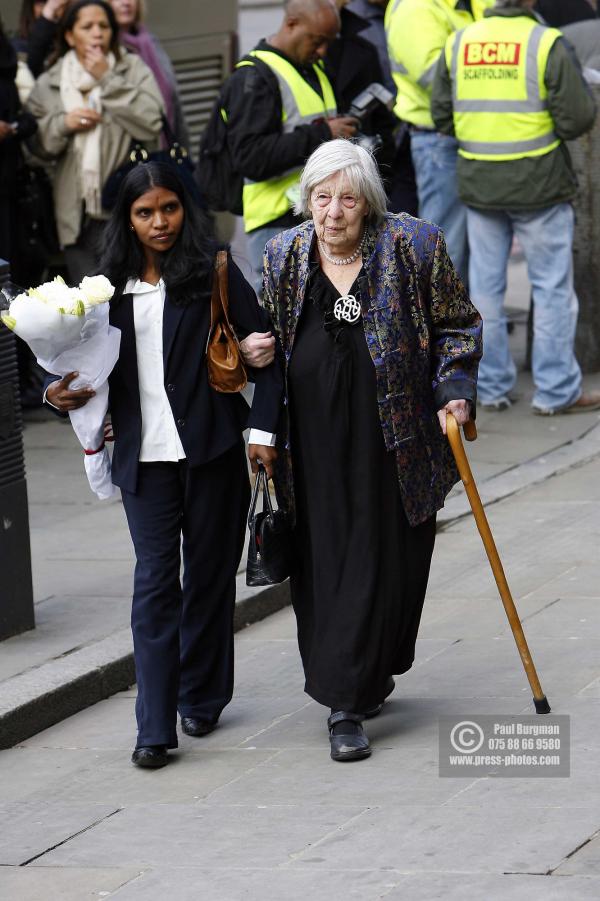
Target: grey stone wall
[[585, 153]]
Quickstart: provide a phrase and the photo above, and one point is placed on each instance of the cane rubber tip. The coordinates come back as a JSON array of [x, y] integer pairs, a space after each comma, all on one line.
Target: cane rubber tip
[[542, 706]]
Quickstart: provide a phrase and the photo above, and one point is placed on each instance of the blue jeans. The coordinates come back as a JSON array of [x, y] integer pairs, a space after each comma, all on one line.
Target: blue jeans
[[546, 237], [434, 158], [256, 241]]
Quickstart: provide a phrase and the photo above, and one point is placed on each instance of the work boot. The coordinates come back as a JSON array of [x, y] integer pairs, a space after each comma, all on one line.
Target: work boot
[[585, 403]]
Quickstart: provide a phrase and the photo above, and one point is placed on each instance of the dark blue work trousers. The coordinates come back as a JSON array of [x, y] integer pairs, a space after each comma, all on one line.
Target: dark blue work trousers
[[183, 628]]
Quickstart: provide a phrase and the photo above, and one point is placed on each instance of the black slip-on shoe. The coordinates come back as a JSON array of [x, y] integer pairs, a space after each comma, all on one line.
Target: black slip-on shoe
[[353, 746], [375, 711], [191, 726], [151, 758]]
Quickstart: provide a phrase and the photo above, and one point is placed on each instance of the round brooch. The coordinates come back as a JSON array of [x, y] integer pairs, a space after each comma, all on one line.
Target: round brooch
[[347, 309]]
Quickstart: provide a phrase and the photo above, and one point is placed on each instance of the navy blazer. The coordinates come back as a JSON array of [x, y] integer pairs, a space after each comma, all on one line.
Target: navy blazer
[[208, 422]]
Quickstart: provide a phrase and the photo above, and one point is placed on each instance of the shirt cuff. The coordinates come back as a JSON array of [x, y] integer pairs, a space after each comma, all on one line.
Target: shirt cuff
[[45, 399], [257, 436]]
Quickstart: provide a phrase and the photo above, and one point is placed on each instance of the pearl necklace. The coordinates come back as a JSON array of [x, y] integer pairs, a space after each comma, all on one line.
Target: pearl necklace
[[347, 260]]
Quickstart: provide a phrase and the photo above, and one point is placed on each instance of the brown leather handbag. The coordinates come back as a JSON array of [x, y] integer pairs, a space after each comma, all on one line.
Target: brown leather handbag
[[226, 371]]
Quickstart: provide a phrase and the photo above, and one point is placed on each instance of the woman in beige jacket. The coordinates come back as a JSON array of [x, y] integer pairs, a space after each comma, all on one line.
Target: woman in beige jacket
[[89, 106]]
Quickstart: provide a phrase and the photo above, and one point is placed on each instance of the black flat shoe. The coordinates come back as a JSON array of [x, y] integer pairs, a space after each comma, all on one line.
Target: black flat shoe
[[354, 746], [191, 726], [151, 758], [375, 711]]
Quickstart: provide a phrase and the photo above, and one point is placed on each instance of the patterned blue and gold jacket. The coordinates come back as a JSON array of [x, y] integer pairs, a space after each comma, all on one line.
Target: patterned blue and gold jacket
[[424, 337]]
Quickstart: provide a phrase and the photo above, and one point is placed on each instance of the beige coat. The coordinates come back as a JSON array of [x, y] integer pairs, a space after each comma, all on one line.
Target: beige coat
[[132, 106]]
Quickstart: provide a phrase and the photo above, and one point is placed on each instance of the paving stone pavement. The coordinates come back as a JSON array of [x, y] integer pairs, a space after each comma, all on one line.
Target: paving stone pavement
[[258, 811]]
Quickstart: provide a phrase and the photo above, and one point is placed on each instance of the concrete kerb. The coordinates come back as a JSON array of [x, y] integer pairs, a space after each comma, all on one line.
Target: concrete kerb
[[40, 697]]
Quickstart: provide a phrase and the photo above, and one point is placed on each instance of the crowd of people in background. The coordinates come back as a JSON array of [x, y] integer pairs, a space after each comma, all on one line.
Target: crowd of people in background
[[299, 87], [67, 64]]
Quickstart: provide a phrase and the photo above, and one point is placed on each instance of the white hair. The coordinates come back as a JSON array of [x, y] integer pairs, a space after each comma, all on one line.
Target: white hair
[[359, 168]]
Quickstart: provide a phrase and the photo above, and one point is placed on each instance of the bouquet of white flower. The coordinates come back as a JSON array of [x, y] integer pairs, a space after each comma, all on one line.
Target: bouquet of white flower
[[68, 331]]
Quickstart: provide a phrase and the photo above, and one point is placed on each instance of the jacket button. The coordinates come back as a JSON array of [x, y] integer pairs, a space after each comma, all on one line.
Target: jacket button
[[171, 388], [181, 422]]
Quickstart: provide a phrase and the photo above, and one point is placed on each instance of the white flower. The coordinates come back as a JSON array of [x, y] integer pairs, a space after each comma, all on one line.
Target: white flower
[[54, 293], [53, 318], [59, 297], [68, 330], [42, 325], [96, 289]]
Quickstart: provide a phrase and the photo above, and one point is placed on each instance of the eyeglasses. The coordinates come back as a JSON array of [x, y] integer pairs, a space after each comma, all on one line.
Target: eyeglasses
[[322, 199]]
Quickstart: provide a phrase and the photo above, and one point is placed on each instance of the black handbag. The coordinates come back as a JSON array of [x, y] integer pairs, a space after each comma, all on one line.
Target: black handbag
[[175, 155], [270, 548]]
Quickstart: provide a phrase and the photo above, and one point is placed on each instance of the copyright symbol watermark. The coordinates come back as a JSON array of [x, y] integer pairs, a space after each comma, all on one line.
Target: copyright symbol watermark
[[466, 737], [504, 745]]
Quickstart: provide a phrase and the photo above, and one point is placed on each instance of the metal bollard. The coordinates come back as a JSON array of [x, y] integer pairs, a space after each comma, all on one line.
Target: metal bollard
[[16, 589]]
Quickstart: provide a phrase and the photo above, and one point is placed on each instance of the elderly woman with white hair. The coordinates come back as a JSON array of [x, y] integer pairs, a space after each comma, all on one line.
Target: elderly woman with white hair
[[380, 340]]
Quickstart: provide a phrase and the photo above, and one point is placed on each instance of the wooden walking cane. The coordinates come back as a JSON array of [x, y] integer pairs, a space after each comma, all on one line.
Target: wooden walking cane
[[470, 430]]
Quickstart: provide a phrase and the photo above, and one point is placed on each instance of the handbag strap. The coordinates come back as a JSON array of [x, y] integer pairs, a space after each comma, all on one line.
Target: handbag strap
[[257, 486], [219, 302], [138, 153], [267, 505], [261, 482]]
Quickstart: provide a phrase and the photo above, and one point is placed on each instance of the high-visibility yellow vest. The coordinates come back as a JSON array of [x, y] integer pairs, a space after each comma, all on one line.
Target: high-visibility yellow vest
[[500, 100], [267, 200], [417, 31]]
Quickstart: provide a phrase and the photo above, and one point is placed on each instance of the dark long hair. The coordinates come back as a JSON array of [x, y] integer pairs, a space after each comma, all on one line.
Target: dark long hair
[[186, 268], [70, 18], [26, 18]]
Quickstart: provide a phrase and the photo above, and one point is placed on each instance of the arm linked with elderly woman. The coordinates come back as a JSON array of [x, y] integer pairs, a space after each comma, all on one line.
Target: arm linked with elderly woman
[[380, 340]]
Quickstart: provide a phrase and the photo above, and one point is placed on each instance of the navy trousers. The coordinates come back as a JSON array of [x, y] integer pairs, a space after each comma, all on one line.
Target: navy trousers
[[183, 628]]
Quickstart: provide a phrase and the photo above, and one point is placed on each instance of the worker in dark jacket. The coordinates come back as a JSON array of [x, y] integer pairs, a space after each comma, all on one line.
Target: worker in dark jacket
[[281, 106], [352, 65], [564, 12], [515, 176], [372, 14], [352, 60], [400, 182]]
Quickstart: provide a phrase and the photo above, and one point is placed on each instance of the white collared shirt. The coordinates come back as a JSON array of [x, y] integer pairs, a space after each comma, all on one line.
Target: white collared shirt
[[160, 438]]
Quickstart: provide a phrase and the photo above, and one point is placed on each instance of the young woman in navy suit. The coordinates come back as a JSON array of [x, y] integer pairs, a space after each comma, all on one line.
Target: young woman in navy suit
[[179, 454]]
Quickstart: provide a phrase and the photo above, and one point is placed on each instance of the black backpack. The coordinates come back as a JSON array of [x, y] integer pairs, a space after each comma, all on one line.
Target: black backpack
[[219, 183]]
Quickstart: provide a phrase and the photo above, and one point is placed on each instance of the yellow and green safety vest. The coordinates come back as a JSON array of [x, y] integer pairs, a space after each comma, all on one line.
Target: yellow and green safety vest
[[267, 200], [417, 31], [500, 100]]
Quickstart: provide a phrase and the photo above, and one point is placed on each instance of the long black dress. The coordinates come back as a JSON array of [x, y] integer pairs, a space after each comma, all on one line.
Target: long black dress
[[359, 590]]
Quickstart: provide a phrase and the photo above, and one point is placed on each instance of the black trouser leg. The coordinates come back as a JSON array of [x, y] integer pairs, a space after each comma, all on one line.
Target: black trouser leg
[[215, 509], [154, 514]]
